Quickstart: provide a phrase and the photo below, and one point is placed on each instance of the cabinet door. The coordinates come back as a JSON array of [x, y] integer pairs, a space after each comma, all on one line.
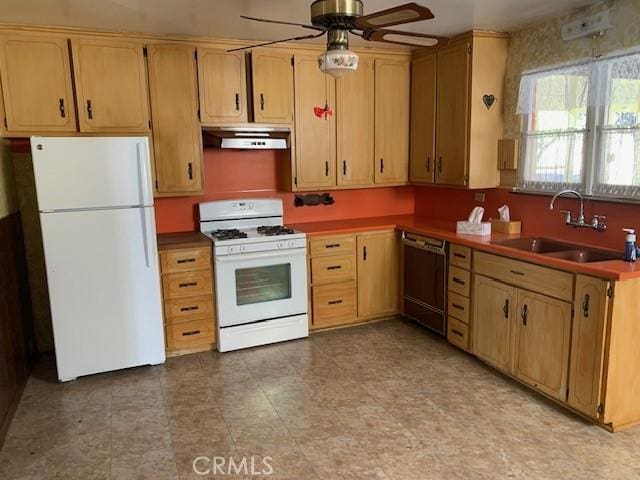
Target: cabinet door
[[355, 117], [423, 120], [587, 344], [174, 109], [378, 273], [272, 86], [315, 137], [542, 343], [36, 84], [452, 114], [392, 105], [494, 313], [222, 81], [111, 86]]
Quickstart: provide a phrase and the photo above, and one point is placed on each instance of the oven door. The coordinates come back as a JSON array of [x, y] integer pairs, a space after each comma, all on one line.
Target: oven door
[[251, 287]]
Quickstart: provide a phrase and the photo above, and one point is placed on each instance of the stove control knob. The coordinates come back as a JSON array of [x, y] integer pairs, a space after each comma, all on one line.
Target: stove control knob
[[243, 248], [282, 245], [292, 244], [234, 249]]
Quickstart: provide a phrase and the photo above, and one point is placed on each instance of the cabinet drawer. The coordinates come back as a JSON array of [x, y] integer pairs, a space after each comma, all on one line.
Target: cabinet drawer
[[458, 333], [459, 281], [185, 260], [460, 256], [189, 334], [332, 245], [547, 281], [185, 309], [187, 284], [335, 304], [458, 307], [332, 269]]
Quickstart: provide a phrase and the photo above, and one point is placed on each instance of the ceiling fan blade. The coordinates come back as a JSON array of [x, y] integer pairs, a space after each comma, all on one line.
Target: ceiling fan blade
[[292, 39], [407, 13], [280, 22], [410, 39]]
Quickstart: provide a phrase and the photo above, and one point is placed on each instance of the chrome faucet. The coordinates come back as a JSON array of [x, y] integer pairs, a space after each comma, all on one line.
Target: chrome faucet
[[598, 222]]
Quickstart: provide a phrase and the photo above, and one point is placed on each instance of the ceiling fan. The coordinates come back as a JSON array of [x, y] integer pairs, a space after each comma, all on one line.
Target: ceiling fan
[[338, 18]]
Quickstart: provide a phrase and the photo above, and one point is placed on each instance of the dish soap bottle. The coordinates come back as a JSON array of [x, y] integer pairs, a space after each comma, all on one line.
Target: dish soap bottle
[[630, 246]]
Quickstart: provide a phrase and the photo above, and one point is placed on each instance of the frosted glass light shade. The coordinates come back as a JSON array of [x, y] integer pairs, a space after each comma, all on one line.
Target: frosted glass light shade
[[338, 62]]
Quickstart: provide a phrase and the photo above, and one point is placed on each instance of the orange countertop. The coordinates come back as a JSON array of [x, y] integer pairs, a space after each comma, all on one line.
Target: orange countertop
[[446, 230]]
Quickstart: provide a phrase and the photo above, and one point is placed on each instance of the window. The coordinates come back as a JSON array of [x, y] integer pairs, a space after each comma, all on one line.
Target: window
[[582, 128]]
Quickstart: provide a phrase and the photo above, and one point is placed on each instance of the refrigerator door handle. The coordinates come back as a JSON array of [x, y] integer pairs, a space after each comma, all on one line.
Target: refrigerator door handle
[[146, 238], [143, 175]]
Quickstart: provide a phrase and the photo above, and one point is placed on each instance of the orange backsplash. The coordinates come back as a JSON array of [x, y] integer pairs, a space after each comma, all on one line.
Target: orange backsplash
[[254, 173], [533, 210]]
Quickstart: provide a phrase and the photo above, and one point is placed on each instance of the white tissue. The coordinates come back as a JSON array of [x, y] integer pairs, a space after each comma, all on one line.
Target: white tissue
[[505, 216], [476, 215]]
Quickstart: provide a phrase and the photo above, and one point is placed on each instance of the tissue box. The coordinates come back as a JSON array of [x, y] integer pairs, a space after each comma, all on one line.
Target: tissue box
[[499, 226], [468, 228]]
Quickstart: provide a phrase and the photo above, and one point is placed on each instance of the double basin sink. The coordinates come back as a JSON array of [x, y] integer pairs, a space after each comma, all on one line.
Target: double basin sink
[[561, 250]]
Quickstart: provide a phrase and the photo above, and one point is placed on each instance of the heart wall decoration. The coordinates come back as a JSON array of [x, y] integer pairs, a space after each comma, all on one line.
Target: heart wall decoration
[[488, 101]]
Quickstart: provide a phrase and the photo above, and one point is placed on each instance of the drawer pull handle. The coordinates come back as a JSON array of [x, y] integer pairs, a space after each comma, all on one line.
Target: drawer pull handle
[[189, 309], [189, 334], [458, 281], [459, 307], [186, 260], [460, 255], [516, 272], [188, 284], [335, 302], [334, 267], [585, 306], [505, 309], [332, 245], [457, 332]]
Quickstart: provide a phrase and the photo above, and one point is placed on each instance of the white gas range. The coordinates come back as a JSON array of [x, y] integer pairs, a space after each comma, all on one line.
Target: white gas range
[[260, 270]]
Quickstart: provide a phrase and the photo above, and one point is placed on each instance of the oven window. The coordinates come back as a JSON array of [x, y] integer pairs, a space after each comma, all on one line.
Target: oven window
[[263, 284]]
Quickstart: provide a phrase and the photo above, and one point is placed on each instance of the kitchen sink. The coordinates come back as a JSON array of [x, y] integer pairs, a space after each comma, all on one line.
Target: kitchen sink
[[560, 250], [536, 245], [585, 255]]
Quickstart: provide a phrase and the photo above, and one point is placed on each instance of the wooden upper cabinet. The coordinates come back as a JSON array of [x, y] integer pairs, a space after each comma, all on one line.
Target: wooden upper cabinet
[[223, 86], [378, 273], [36, 84], [543, 335], [176, 130], [587, 348], [392, 105], [355, 117], [272, 86], [111, 86], [454, 64], [494, 313], [423, 119], [315, 136]]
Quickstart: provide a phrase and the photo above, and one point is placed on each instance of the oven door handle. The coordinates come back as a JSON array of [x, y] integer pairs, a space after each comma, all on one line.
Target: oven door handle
[[284, 254]]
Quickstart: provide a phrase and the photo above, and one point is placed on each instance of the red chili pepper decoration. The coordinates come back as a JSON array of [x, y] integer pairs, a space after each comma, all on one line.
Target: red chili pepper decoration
[[325, 112]]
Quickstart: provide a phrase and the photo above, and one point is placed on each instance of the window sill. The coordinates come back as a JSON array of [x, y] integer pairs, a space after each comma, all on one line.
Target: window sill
[[595, 198]]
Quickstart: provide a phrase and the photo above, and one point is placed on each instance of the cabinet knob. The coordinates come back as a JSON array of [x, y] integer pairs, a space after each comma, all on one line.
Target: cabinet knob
[[63, 111], [585, 305], [505, 309], [89, 110], [262, 101], [525, 314]]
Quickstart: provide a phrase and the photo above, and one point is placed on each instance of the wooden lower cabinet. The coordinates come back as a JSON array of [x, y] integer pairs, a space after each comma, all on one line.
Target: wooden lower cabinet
[[587, 346], [494, 307], [187, 290], [335, 304], [543, 337], [378, 273]]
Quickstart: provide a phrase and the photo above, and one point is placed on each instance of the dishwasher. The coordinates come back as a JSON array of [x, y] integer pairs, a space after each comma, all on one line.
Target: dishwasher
[[425, 280]]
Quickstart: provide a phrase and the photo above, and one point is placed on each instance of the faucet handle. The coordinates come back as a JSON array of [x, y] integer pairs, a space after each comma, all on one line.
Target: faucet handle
[[599, 222], [567, 215]]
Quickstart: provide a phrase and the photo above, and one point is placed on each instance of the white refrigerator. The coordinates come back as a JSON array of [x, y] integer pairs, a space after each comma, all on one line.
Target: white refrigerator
[[98, 228]]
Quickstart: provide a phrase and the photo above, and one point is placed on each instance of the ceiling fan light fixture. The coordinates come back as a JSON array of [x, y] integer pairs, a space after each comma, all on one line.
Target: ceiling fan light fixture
[[337, 63]]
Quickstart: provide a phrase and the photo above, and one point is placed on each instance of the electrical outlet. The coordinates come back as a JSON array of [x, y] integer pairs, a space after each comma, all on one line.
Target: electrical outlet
[[480, 196]]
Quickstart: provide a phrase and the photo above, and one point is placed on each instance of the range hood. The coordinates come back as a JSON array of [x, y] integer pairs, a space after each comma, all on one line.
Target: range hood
[[247, 137]]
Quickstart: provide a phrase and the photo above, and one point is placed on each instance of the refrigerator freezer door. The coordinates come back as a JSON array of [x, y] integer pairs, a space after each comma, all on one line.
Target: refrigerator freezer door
[[104, 287], [91, 172]]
